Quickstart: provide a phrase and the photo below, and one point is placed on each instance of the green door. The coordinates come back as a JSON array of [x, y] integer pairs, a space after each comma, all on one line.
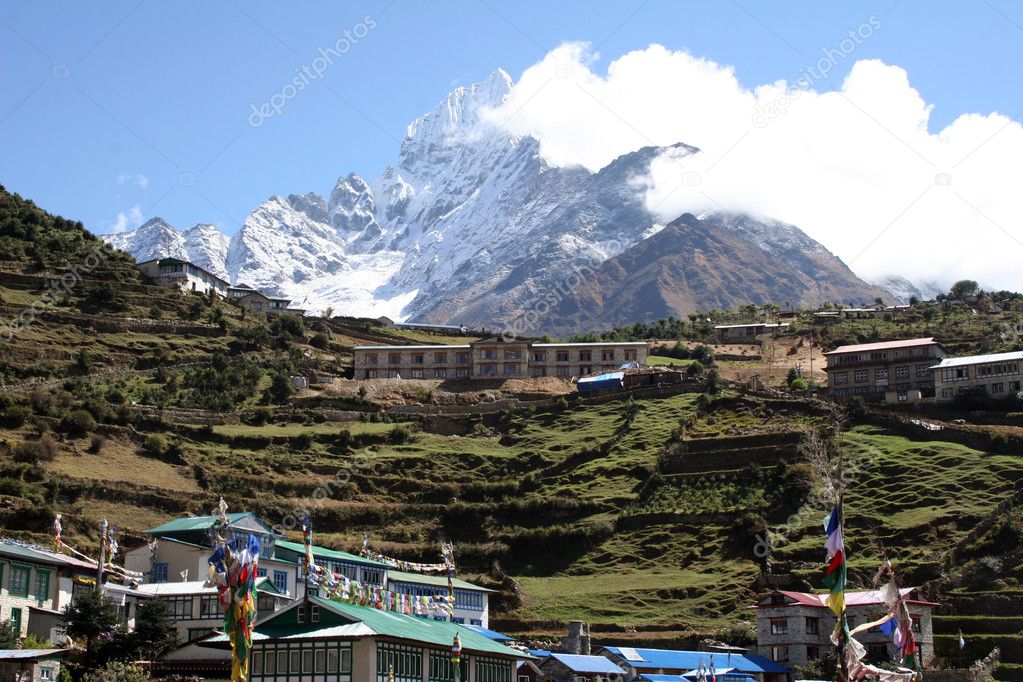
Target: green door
[[16, 621]]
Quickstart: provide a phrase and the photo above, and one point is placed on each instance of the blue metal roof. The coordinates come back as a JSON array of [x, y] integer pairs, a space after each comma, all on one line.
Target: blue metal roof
[[539, 653], [489, 634], [601, 382], [670, 659], [588, 664], [654, 677]]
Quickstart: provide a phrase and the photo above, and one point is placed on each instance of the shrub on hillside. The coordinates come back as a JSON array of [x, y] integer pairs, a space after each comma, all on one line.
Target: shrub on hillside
[[319, 340], [799, 384], [156, 444], [399, 435], [32, 452], [705, 354], [77, 423], [17, 414], [292, 325], [96, 444], [280, 389], [712, 382]]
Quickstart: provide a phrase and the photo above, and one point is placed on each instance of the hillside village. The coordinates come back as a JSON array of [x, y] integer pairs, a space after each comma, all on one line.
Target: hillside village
[[639, 503]]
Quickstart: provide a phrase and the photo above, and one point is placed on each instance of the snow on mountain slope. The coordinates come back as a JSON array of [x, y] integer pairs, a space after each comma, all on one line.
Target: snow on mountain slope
[[204, 244], [902, 289], [470, 224]]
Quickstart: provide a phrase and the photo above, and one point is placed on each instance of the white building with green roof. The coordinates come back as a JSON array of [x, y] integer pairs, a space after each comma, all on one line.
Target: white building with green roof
[[183, 549], [320, 640]]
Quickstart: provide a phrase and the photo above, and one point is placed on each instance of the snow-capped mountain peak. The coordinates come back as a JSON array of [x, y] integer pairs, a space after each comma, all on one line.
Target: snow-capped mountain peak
[[469, 224]]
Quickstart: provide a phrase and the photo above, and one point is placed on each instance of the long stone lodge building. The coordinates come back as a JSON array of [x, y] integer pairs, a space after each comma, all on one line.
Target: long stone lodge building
[[496, 358]]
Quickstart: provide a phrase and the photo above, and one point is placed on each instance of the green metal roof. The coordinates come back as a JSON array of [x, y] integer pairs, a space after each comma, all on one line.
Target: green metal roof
[[194, 523], [353, 622], [425, 630], [432, 580], [327, 553], [45, 556]]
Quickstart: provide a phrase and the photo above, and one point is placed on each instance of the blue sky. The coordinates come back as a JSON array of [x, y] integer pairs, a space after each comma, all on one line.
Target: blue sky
[[141, 109]]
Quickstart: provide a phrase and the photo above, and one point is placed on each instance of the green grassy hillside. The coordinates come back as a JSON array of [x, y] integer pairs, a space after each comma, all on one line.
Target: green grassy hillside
[[638, 514]]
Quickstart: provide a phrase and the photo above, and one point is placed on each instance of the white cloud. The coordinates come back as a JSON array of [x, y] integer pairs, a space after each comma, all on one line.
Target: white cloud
[[127, 220], [133, 179], [852, 163]]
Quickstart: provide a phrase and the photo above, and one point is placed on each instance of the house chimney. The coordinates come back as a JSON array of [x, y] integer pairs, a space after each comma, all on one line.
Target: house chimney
[[578, 639]]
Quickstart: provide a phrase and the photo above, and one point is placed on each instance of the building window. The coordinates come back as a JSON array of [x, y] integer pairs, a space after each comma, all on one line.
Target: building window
[[539, 356], [281, 581], [812, 625], [46, 673], [630, 355], [394, 358], [955, 374], [841, 378], [440, 373], [373, 575], [923, 371], [440, 667], [860, 376], [1013, 385], [489, 370], [563, 371], [17, 584], [916, 624], [160, 572], [462, 358], [607, 356], [902, 372], [42, 586], [469, 600], [511, 370], [210, 606], [998, 388], [489, 354], [512, 355], [780, 653], [779, 626], [180, 607], [946, 393], [585, 356], [440, 358], [881, 376], [813, 653], [196, 633], [371, 358], [417, 358], [416, 373], [265, 604], [492, 670], [314, 614], [406, 662], [562, 356], [585, 370], [539, 371]]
